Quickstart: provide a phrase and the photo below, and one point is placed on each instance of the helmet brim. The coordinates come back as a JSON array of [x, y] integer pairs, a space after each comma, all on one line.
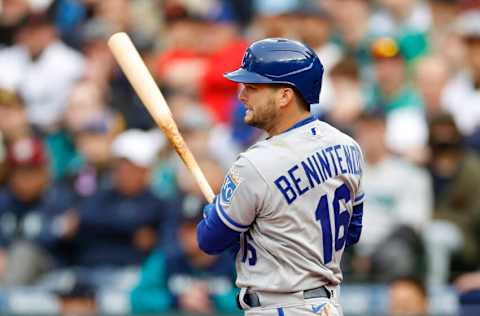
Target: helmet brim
[[244, 76]]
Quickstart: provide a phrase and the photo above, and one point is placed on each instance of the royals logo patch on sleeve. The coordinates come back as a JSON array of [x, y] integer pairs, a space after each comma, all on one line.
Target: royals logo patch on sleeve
[[229, 187]]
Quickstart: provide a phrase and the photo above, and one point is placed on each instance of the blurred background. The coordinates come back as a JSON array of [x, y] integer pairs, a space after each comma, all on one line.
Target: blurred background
[[97, 214]]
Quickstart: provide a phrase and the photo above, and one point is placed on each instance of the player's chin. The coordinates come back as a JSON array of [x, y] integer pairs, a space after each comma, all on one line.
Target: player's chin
[[254, 123]]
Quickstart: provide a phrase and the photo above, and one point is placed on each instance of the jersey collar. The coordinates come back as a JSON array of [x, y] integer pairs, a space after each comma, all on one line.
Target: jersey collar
[[301, 123]]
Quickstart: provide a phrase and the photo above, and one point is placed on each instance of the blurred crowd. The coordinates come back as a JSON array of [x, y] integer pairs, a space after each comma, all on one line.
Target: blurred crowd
[[98, 211]]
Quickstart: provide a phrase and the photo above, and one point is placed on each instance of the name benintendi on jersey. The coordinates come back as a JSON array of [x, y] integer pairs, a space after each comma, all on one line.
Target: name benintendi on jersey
[[318, 168]]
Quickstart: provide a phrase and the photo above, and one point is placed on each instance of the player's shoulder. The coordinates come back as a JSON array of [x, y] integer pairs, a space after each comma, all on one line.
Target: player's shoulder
[[246, 164], [247, 159], [258, 152], [253, 163]]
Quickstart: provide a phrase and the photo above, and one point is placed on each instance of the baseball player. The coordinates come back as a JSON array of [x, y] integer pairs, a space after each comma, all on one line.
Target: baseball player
[[294, 200]]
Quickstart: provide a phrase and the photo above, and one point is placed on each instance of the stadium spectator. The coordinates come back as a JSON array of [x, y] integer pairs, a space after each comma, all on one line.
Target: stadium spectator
[[314, 27], [12, 14], [224, 54], [14, 124], [271, 24], [182, 63], [462, 94], [91, 127], [408, 297], [87, 103], [42, 69], [456, 179], [100, 64], [348, 101], [355, 31], [26, 206], [468, 285], [443, 38], [101, 70], [406, 132], [118, 225], [431, 76], [117, 13], [399, 203], [60, 143], [78, 298]]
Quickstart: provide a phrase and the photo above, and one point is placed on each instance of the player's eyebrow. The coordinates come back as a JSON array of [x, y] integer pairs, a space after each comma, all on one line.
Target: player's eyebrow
[[251, 86]]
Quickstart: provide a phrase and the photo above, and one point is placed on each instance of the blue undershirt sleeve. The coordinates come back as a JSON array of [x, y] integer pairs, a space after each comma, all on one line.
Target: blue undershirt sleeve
[[213, 235], [355, 227]]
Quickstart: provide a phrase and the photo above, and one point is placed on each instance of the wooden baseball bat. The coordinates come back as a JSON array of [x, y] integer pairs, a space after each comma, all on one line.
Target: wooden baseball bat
[[142, 81]]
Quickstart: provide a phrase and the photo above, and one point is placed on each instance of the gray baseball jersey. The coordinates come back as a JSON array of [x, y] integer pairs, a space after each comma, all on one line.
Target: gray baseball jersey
[[291, 196]]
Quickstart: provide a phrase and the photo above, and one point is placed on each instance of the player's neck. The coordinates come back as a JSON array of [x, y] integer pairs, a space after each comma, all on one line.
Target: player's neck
[[286, 122]]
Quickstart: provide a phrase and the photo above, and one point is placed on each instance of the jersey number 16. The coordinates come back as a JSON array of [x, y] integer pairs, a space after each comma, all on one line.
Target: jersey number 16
[[341, 219]]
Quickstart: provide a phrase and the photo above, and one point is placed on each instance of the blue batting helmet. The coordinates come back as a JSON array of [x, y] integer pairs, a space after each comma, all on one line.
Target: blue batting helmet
[[282, 61]]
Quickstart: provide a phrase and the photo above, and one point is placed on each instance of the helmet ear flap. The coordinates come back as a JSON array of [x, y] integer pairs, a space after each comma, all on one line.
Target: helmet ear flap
[[318, 83]]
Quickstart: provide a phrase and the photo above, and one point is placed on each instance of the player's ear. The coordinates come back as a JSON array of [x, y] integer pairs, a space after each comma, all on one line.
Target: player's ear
[[285, 96]]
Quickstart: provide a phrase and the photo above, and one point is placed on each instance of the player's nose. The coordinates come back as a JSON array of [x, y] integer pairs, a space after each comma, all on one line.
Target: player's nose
[[242, 95]]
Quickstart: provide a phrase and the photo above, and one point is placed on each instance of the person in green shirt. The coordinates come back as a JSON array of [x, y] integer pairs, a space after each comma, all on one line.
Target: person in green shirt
[[392, 89], [394, 95]]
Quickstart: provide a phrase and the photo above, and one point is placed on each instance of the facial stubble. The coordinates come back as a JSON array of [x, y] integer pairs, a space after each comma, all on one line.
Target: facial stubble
[[263, 117]]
